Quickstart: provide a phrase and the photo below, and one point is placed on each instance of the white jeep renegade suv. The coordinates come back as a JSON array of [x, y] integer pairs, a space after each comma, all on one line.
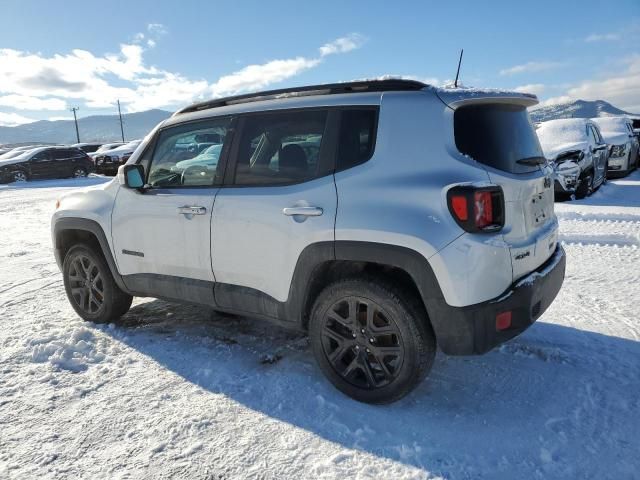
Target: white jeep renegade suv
[[385, 217]]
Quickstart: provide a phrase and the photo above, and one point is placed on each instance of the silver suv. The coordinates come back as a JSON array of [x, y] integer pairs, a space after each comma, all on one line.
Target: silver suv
[[385, 217]]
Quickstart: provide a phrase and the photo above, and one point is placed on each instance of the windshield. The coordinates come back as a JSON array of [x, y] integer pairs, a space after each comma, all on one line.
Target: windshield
[[500, 136], [11, 154], [108, 146]]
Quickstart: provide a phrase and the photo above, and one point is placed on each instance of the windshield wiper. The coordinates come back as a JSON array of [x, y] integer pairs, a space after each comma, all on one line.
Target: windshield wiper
[[532, 161]]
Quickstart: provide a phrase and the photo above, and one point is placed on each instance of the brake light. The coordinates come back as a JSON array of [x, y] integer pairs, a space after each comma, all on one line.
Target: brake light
[[477, 209]]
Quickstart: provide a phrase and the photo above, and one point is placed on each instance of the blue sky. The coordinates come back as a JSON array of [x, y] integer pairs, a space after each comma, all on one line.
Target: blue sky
[[156, 54]]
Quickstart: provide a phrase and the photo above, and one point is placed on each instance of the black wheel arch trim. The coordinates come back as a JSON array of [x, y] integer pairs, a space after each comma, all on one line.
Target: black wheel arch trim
[[84, 224]]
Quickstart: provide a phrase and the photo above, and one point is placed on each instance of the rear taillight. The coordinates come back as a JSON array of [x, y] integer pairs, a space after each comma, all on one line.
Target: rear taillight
[[477, 209]]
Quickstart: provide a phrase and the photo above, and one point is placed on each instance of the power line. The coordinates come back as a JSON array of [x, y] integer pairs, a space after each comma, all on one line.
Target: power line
[[75, 119]]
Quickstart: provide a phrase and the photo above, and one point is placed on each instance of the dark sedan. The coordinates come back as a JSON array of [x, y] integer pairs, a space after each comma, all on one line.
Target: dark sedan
[[46, 162]]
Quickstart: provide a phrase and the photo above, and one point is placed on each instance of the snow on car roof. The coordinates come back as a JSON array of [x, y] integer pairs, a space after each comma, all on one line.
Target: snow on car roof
[[613, 124], [561, 131]]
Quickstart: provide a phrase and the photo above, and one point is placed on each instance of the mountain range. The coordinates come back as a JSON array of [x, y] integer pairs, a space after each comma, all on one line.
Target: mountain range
[[98, 128], [104, 128], [576, 109]]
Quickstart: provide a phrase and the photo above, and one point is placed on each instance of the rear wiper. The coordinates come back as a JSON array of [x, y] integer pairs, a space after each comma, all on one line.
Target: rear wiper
[[532, 161]]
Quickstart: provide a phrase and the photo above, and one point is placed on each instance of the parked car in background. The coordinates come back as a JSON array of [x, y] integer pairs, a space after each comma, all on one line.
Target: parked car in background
[[578, 153], [105, 148], [618, 133], [108, 162], [46, 162], [89, 147], [635, 123]]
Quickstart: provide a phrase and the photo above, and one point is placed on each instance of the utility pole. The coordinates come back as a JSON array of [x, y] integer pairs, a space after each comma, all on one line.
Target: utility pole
[[75, 119], [120, 115]]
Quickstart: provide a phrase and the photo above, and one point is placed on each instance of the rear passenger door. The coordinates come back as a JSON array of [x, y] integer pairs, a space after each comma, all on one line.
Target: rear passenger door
[[41, 164], [278, 197], [62, 164]]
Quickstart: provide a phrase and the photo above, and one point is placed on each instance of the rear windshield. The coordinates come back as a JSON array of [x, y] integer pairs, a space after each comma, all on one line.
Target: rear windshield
[[500, 136]]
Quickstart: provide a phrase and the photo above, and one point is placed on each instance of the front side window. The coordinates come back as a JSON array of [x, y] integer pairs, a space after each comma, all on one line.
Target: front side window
[[188, 155], [596, 134], [41, 156], [280, 148]]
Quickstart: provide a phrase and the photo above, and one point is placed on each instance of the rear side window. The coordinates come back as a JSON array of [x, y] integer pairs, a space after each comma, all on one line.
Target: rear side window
[[61, 154], [500, 136], [280, 148], [357, 137]]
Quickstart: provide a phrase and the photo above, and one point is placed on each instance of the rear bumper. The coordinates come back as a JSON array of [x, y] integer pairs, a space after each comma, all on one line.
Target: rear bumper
[[472, 330]]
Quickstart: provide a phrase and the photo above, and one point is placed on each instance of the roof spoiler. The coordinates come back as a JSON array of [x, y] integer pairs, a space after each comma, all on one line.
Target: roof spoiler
[[455, 97]]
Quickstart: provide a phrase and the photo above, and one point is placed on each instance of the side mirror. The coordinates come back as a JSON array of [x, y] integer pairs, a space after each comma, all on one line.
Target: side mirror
[[131, 176]]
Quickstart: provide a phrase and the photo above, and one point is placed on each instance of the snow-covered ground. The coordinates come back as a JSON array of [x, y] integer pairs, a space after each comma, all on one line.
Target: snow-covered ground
[[176, 391]]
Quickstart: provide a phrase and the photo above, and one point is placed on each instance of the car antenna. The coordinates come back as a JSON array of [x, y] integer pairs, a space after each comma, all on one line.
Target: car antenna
[[455, 84]]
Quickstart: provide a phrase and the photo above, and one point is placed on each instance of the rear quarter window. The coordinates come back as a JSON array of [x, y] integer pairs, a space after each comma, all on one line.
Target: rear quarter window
[[498, 136]]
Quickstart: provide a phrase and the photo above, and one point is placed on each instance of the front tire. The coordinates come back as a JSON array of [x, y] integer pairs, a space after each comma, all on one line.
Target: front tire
[[20, 176], [586, 187], [90, 287], [372, 341]]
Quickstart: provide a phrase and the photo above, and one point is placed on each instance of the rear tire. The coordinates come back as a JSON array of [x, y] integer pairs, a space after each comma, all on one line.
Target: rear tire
[[372, 341], [79, 172], [90, 287]]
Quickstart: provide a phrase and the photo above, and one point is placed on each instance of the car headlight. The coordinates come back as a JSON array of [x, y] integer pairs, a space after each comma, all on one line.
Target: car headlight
[[618, 150]]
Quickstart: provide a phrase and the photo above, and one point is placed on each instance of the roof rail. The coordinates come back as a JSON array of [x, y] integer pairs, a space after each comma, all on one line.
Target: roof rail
[[310, 90]]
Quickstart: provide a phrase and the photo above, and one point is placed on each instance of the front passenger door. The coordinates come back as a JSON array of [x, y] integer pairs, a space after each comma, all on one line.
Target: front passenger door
[[162, 236], [600, 155]]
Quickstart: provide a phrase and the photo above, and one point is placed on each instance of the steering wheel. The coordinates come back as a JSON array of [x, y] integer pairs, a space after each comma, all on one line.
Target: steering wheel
[[200, 173]]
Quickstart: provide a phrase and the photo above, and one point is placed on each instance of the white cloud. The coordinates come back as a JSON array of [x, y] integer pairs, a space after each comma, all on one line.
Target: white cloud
[[156, 28], [622, 89], [342, 45], [13, 119], [256, 77], [259, 76], [23, 102], [530, 67], [56, 118], [603, 37], [535, 88], [29, 80]]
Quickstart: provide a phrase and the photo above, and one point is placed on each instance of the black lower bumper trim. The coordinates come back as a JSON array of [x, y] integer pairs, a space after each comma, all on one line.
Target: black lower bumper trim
[[472, 330]]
